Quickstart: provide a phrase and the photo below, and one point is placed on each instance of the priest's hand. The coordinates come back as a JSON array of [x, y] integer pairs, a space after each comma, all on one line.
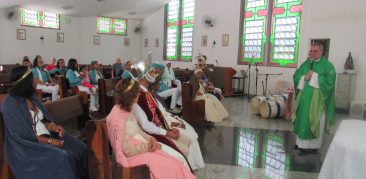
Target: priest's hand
[[153, 145], [174, 133], [308, 75]]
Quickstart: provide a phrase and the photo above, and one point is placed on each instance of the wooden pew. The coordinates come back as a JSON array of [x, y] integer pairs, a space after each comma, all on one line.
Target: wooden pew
[[107, 71], [69, 113], [65, 91], [100, 159], [106, 102], [183, 74], [193, 111]]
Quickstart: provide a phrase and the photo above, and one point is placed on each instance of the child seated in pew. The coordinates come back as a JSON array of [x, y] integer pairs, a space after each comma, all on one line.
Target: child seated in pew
[[84, 75]]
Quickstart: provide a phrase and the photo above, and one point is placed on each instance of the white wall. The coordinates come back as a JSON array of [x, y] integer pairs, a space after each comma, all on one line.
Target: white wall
[[342, 22], [78, 42], [111, 46], [152, 28], [13, 50]]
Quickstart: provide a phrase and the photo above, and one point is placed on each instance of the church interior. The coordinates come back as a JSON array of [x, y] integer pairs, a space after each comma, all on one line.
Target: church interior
[[252, 89]]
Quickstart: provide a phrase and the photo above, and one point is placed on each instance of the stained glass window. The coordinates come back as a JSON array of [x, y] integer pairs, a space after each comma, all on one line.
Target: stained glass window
[[274, 158], [247, 149], [271, 32], [179, 30], [39, 19], [112, 26]]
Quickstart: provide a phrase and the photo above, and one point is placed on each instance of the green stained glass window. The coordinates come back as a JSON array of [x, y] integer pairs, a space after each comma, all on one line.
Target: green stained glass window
[[270, 32], [254, 31], [247, 150], [112, 26], [179, 30], [274, 159], [39, 19], [285, 35]]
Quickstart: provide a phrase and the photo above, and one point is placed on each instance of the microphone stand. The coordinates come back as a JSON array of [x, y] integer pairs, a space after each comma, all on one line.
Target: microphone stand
[[265, 90], [256, 79], [250, 64]]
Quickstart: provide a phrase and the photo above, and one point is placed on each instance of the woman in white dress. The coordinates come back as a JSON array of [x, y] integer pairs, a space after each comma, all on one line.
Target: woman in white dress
[[214, 110]]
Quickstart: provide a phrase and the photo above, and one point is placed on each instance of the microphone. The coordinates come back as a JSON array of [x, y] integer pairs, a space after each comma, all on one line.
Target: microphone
[[217, 63], [311, 65]]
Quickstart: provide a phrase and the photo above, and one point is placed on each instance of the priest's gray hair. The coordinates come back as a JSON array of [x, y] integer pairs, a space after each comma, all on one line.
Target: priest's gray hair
[[320, 45]]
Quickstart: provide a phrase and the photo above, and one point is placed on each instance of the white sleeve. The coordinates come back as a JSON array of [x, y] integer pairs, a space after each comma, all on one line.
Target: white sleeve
[[145, 124], [314, 80], [301, 84]]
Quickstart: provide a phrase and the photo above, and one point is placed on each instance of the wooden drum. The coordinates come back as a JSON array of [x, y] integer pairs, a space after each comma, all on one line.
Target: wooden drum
[[272, 109], [256, 102]]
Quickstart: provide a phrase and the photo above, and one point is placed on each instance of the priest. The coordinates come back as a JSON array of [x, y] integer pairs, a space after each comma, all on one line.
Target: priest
[[315, 100]]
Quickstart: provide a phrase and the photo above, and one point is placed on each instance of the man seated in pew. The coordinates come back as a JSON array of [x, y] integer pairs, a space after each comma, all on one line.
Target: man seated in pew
[[169, 76], [34, 145], [51, 68], [127, 72], [214, 109], [26, 62], [117, 68], [74, 79], [43, 79], [154, 119], [165, 91], [132, 146]]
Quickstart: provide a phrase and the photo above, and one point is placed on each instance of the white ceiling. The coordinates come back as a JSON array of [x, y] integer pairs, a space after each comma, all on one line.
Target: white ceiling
[[84, 8]]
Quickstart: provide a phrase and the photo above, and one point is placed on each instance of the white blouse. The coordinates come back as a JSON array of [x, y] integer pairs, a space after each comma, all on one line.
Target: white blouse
[[40, 126]]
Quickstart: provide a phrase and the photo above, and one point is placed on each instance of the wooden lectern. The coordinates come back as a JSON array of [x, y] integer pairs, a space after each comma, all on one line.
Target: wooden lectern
[[221, 77]]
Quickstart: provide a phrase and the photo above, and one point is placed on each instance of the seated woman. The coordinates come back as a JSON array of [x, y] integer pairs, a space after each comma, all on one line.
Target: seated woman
[[43, 79], [35, 146], [132, 146], [95, 73], [74, 79], [215, 111], [61, 68]]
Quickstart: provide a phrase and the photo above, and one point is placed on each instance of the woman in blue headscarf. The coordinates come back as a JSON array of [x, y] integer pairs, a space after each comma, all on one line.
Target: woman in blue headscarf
[[34, 145]]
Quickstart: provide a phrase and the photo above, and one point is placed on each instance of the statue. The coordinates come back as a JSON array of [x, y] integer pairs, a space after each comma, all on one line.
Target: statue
[[348, 66]]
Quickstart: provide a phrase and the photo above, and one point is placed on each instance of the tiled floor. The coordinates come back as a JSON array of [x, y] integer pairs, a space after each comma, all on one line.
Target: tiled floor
[[246, 146]]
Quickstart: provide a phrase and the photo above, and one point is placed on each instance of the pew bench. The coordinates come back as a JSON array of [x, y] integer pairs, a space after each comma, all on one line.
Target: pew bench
[[105, 92], [100, 159], [68, 112], [193, 111]]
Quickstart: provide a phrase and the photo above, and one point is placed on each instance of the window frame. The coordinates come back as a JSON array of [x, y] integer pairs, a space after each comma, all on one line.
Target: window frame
[[268, 41], [179, 45]]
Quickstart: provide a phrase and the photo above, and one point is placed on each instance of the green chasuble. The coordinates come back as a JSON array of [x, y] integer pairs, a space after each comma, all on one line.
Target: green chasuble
[[311, 103]]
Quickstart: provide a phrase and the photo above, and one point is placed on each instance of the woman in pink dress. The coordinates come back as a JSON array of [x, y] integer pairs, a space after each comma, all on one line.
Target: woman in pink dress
[[132, 146]]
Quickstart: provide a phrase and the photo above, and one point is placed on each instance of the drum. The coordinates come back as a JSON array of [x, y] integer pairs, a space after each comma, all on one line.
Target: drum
[[256, 102], [272, 109], [278, 97]]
